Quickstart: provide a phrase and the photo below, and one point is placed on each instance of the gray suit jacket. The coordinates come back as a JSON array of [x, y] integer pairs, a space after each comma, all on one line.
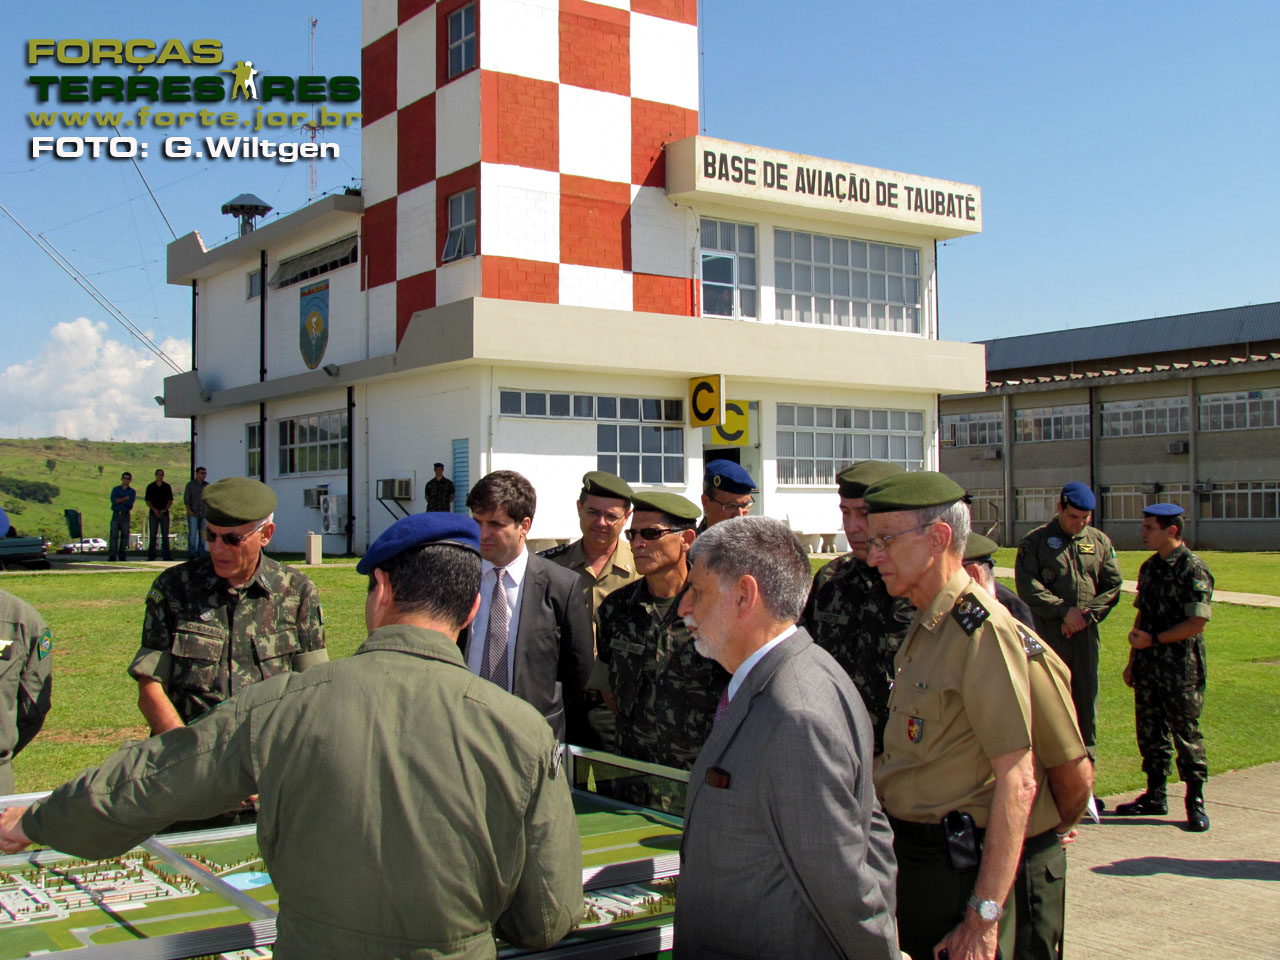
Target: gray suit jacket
[[555, 646], [794, 857]]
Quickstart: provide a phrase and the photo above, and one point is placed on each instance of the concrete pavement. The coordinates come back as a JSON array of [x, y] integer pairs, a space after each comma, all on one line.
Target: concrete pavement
[[1219, 596], [1145, 887]]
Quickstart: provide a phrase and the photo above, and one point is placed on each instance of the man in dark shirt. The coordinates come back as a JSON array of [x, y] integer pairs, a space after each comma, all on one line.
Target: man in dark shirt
[[122, 498], [193, 500], [158, 496], [439, 491]]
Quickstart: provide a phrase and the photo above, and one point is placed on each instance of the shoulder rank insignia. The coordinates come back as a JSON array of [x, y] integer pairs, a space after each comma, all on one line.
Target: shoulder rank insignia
[[915, 729], [969, 613], [1030, 642], [552, 552]]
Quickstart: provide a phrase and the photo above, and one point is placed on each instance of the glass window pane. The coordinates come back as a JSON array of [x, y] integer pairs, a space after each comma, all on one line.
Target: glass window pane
[[629, 467], [786, 415], [746, 238], [717, 301], [822, 310], [857, 254], [822, 280], [804, 416], [840, 283], [727, 233], [607, 463], [606, 438], [673, 440], [875, 256], [897, 420], [803, 280], [804, 309], [840, 309], [915, 421], [717, 268], [911, 262], [583, 406], [804, 444], [628, 408], [606, 407], [535, 404], [784, 308], [879, 419], [782, 243], [786, 443], [840, 252], [911, 291], [629, 438], [782, 276], [895, 290], [803, 245], [747, 271], [559, 404], [747, 303], [673, 469], [858, 289], [651, 469], [877, 286], [824, 445], [821, 250], [650, 439], [710, 234], [651, 409], [893, 259]]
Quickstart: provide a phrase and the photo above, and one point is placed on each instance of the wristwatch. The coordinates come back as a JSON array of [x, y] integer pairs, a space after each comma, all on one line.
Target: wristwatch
[[987, 910]]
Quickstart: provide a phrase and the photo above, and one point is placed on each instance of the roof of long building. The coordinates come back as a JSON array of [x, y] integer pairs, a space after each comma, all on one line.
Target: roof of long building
[[1188, 331]]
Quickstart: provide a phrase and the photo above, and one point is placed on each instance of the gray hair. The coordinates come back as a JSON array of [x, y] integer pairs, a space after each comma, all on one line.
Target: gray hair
[[955, 515], [768, 551]]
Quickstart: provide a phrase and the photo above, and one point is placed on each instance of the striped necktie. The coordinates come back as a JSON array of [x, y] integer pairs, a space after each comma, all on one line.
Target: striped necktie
[[494, 665]]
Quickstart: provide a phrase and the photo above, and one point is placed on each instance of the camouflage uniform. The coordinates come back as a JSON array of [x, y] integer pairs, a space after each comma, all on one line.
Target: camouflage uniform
[[1055, 572], [666, 692], [205, 641], [439, 494], [1169, 678], [851, 615], [26, 664]]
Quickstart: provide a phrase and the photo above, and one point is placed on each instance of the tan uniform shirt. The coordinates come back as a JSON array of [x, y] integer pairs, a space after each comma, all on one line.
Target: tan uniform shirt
[[1055, 735], [618, 571], [961, 696]]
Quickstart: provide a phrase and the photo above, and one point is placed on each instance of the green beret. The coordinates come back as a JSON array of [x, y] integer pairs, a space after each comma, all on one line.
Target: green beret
[[979, 547], [598, 483], [672, 504], [854, 480], [911, 491], [237, 500]]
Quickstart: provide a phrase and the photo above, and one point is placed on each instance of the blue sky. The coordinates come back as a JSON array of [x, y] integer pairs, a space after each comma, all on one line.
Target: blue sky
[[1127, 155]]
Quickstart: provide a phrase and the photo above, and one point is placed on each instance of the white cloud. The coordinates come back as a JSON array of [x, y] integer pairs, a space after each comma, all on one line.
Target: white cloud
[[82, 384]]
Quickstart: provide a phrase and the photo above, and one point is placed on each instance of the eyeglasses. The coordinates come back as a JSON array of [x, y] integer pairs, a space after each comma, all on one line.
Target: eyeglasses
[[231, 539], [879, 544], [735, 504], [650, 533], [609, 518]]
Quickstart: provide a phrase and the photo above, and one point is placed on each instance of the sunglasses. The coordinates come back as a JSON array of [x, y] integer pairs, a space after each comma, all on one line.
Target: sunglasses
[[231, 539], [651, 533]]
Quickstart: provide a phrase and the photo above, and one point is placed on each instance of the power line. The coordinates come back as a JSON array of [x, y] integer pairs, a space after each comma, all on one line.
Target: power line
[[85, 284]]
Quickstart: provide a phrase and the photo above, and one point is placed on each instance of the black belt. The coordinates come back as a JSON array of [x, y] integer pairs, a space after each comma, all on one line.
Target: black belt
[[925, 834]]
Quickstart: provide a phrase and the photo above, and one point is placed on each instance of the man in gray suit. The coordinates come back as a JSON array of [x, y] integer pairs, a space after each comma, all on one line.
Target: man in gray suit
[[786, 852]]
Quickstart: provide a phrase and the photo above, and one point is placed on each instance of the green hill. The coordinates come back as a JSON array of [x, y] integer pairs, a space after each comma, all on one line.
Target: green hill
[[83, 473]]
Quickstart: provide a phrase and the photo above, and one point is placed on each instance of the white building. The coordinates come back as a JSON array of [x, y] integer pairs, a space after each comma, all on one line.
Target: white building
[[543, 256]]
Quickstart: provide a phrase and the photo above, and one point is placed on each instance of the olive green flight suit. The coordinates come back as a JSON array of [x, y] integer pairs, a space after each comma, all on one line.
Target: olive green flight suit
[[26, 666], [407, 808]]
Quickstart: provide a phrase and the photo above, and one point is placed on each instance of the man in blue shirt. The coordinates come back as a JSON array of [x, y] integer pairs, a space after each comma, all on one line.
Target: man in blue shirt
[[122, 498]]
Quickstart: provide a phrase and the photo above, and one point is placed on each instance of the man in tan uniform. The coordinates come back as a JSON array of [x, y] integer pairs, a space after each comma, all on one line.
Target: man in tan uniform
[[463, 827], [956, 776]]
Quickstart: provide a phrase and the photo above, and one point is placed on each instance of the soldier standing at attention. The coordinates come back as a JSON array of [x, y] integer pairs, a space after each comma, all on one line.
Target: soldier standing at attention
[[849, 613], [1066, 571], [1167, 666], [216, 624], [956, 777], [603, 562], [446, 790], [439, 491], [664, 693], [726, 492]]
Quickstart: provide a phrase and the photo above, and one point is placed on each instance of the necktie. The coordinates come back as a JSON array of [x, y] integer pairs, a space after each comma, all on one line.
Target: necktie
[[721, 706], [494, 666]]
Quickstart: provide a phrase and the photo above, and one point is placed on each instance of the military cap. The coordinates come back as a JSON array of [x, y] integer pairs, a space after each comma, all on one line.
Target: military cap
[[912, 491], [1078, 495], [1162, 510], [728, 476], [979, 548], [672, 504], [854, 480], [236, 500], [598, 483], [420, 530], [438, 464]]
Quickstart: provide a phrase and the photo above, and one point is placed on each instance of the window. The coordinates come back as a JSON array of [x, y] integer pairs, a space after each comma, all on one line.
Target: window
[[986, 507], [972, 429], [846, 283], [253, 449], [462, 40], [634, 435], [1246, 410], [1243, 500], [1124, 501], [253, 284], [1132, 418], [1036, 504], [461, 240], [815, 443], [314, 444], [728, 269], [1039, 424], [329, 257]]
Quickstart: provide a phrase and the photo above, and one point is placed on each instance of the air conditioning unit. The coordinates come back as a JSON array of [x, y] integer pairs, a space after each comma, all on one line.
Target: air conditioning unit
[[333, 510], [397, 489], [1151, 488], [992, 453], [1177, 446], [311, 498], [1202, 487]]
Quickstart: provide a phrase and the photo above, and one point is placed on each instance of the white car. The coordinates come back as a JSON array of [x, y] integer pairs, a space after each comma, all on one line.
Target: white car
[[87, 545]]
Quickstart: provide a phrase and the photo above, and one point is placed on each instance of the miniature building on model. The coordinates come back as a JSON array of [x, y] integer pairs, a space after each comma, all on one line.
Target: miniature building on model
[[544, 253]]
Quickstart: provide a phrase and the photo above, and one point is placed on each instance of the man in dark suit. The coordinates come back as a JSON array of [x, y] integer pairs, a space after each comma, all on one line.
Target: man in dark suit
[[786, 852], [532, 635]]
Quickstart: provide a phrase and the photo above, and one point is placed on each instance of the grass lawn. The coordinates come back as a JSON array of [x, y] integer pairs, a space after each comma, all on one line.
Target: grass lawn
[[1240, 572], [96, 620]]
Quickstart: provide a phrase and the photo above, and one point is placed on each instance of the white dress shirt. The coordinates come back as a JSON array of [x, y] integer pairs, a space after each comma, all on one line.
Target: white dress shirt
[[513, 587], [744, 668]]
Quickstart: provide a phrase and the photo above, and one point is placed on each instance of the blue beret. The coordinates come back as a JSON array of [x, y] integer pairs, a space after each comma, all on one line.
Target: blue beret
[[1162, 510], [728, 476], [1078, 495], [420, 530]]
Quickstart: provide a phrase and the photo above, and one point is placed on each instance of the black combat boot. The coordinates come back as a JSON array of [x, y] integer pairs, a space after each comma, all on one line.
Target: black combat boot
[[1197, 819], [1151, 803]]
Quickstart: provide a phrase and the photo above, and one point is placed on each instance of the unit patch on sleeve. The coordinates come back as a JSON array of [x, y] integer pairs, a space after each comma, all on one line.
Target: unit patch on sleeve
[[969, 613]]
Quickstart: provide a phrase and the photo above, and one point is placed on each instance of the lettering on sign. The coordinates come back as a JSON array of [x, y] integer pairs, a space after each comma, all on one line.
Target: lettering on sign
[[706, 400]]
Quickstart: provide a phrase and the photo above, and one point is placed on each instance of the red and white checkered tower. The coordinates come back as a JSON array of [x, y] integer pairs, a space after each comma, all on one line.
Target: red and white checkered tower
[[556, 116]]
